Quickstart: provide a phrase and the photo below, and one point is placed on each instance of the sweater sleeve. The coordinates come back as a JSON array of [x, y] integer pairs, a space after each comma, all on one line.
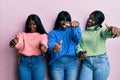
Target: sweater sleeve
[[51, 41], [44, 39], [76, 34], [79, 49], [106, 33], [20, 43]]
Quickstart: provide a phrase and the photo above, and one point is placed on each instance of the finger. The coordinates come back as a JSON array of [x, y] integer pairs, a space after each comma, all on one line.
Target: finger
[[43, 49], [58, 47], [12, 43], [55, 50], [108, 27], [16, 41], [17, 36], [40, 43], [60, 42], [73, 24], [67, 24], [114, 30], [118, 32]]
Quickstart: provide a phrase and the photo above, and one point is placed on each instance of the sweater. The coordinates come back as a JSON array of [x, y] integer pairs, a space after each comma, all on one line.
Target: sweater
[[28, 43], [70, 38], [93, 41]]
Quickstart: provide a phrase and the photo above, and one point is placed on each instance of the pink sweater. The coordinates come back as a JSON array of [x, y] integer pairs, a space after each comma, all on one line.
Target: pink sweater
[[28, 43]]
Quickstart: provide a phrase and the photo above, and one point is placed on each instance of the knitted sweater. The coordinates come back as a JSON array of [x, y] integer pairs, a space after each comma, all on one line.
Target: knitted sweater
[[93, 41], [28, 43]]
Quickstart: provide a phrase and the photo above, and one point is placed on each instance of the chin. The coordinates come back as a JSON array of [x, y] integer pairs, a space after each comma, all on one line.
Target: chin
[[64, 27]]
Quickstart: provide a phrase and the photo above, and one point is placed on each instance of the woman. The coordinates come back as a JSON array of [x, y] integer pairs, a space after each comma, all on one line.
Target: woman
[[91, 49], [31, 45], [62, 42]]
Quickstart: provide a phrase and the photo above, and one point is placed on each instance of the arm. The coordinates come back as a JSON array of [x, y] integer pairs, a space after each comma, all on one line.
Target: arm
[[43, 44], [111, 31], [79, 49], [76, 32], [51, 41], [13, 42], [80, 52], [20, 44], [114, 30]]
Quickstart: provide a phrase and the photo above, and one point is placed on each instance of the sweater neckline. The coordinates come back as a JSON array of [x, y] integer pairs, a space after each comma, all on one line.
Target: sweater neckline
[[93, 28]]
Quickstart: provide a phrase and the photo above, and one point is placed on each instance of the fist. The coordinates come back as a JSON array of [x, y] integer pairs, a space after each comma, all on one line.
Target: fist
[[57, 47], [82, 55], [13, 42], [115, 30], [74, 24], [43, 48]]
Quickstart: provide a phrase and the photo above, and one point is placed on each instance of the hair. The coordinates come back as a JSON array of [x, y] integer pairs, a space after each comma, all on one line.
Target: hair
[[98, 16], [63, 15], [40, 29]]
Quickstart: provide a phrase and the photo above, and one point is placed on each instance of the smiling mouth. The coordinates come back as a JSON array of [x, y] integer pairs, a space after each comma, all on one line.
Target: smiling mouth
[[32, 30]]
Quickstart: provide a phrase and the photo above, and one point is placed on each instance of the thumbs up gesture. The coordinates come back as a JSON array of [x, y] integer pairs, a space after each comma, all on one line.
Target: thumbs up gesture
[[115, 30], [74, 24], [57, 46], [13, 42], [43, 48]]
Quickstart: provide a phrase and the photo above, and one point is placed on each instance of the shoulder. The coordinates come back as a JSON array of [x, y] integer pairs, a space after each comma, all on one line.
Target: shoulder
[[20, 34], [52, 32], [44, 35]]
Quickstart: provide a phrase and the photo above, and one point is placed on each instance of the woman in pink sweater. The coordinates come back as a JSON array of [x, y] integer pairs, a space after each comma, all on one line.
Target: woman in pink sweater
[[31, 45]]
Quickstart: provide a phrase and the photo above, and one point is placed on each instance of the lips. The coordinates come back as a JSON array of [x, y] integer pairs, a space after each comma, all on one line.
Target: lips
[[64, 26], [89, 23]]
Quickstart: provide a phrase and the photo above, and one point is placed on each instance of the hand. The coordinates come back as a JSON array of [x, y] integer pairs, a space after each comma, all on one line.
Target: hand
[[83, 55], [115, 30], [13, 42], [57, 47], [74, 24], [66, 24], [108, 27], [43, 48]]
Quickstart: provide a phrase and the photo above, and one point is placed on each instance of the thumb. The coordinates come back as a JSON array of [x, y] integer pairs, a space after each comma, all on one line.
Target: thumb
[[16, 36], [85, 51], [40, 43], [60, 42], [108, 27]]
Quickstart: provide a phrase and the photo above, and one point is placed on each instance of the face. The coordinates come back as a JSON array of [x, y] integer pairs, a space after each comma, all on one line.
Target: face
[[64, 24], [91, 21], [32, 26]]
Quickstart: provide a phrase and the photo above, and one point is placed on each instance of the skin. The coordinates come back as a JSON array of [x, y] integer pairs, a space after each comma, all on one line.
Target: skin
[[91, 22], [32, 27], [64, 25]]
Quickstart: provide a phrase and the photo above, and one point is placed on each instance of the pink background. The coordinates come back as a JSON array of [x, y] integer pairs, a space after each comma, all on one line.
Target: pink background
[[13, 14]]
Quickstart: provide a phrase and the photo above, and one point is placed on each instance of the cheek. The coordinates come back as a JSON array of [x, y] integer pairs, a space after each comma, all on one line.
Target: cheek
[[61, 24], [93, 23]]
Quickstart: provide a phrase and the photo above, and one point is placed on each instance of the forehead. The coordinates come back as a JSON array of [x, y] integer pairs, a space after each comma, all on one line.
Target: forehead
[[91, 16], [31, 21]]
